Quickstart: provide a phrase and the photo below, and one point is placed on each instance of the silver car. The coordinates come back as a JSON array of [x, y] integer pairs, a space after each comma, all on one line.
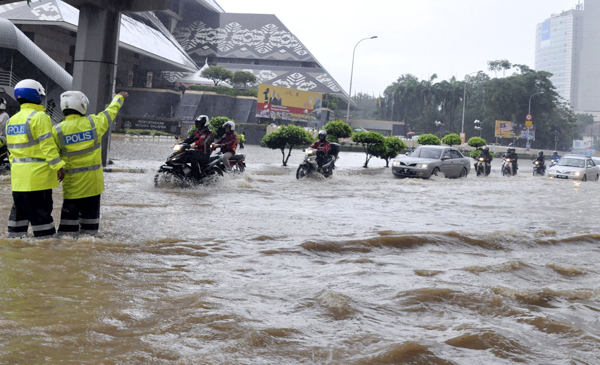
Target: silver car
[[575, 167], [431, 160]]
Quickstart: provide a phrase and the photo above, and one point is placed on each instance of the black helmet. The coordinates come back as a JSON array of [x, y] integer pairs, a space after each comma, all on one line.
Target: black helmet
[[322, 134], [485, 148], [202, 122], [541, 153]]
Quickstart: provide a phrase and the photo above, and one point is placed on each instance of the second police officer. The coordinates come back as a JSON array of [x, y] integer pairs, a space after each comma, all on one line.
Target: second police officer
[[79, 138]]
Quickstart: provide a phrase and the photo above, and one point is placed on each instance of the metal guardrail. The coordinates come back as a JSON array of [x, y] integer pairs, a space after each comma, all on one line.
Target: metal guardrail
[[7, 78]]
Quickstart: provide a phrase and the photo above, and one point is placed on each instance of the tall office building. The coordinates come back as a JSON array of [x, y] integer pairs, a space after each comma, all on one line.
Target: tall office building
[[589, 66], [558, 48]]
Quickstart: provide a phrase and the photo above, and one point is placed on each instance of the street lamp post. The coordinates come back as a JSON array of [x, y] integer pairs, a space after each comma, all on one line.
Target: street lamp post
[[462, 128], [351, 73], [529, 112], [541, 92]]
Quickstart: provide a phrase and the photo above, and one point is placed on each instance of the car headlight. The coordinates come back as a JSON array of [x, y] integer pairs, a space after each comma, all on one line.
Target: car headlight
[[422, 166], [576, 173], [396, 163]]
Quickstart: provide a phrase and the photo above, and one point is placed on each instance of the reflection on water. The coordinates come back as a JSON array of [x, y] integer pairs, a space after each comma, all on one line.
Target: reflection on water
[[262, 268]]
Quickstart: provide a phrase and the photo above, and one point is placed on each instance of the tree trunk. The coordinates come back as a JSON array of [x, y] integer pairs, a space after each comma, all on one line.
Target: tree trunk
[[366, 148], [283, 157], [288, 156]]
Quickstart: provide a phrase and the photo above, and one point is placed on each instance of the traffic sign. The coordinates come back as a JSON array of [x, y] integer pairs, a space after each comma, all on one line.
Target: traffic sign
[[529, 117], [528, 123]]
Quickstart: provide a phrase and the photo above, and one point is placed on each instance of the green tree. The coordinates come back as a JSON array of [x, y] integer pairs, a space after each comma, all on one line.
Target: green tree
[[429, 139], [330, 101], [216, 125], [217, 74], [337, 129], [451, 139], [368, 140], [476, 142], [390, 148], [243, 78], [287, 136]]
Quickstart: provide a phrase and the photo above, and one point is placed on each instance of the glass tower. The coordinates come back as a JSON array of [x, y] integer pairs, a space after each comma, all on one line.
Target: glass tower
[[558, 44]]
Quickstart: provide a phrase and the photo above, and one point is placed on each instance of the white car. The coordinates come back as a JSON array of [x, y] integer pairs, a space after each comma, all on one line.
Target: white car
[[575, 167]]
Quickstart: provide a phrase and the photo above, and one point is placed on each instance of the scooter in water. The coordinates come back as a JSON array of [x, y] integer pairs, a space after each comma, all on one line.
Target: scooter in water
[[237, 163], [309, 166], [482, 167], [539, 168], [507, 167], [177, 170]]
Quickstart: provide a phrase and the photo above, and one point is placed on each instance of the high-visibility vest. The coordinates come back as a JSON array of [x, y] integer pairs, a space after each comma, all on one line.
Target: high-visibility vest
[[34, 157], [79, 139]]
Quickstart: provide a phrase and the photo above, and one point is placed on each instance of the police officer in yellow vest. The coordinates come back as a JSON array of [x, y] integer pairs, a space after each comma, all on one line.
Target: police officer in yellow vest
[[79, 138], [36, 165]]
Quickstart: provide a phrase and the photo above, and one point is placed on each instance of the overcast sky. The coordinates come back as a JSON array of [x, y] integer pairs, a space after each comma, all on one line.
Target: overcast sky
[[421, 37]]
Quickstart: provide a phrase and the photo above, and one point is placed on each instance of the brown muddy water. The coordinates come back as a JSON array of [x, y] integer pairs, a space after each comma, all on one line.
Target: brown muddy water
[[260, 268]]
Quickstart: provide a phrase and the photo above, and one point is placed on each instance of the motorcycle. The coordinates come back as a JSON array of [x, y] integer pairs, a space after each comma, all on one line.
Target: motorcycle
[[507, 167], [538, 168], [237, 163], [177, 169], [482, 167], [310, 165]]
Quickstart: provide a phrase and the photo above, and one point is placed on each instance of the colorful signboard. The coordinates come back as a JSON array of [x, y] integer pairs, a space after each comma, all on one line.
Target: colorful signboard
[[276, 102], [506, 129]]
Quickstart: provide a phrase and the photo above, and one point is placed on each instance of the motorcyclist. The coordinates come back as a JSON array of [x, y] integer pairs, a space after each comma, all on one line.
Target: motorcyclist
[[228, 144], [555, 157], [542, 160], [512, 155], [322, 146], [487, 157], [200, 140]]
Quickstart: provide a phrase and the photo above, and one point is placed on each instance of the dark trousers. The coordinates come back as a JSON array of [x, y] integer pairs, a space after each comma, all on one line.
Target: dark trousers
[[198, 160], [80, 215], [33, 207]]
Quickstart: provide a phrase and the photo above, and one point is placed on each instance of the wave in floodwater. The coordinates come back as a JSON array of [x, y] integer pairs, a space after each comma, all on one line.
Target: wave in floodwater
[[260, 267]]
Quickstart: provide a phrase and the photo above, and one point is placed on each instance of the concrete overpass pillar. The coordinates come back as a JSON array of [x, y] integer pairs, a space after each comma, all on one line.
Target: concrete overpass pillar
[[95, 61]]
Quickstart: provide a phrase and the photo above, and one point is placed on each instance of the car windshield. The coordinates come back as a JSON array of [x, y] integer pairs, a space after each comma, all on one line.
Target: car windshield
[[572, 162], [424, 152]]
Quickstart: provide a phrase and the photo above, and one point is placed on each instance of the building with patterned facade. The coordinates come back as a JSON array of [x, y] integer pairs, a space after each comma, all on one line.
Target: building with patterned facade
[[159, 48]]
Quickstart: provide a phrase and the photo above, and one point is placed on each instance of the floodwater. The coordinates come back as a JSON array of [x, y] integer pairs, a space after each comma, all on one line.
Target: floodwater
[[260, 268]]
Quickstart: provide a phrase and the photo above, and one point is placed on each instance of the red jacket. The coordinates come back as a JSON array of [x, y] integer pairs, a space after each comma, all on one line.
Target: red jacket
[[228, 143], [202, 140], [321, 146]]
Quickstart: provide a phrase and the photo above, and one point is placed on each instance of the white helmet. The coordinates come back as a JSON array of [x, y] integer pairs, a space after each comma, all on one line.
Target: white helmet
[[229, 123], [29, 90], [203, 120], [75, 100]]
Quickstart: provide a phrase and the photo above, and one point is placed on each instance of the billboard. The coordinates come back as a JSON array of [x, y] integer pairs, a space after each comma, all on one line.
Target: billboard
[[276, 102], [546, 32], [506, 129]]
